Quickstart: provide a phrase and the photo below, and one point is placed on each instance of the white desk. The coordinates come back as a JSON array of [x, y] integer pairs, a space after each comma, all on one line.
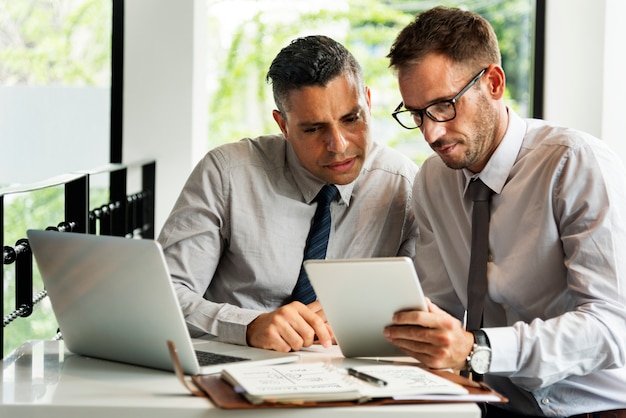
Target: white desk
[[42, 379]]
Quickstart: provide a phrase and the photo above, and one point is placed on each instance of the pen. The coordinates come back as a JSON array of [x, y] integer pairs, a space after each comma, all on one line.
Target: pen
[[363, 376]]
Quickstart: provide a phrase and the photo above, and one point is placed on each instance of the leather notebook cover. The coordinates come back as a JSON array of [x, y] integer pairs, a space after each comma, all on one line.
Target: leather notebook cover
[[224, 395]]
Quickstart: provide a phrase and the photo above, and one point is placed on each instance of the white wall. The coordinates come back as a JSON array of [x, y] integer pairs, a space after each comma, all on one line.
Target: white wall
[[585, 58], [573, 78], [165, 100], [614, 101]]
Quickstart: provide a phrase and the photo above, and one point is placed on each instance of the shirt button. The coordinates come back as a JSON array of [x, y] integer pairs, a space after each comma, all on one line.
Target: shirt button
[[545, 401]]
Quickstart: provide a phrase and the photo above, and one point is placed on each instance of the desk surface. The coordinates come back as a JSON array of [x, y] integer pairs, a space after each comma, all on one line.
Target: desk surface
[[43, 379]]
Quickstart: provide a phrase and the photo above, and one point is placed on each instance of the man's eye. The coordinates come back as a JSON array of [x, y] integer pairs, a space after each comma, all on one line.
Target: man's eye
[[310, 130], [439, 107]]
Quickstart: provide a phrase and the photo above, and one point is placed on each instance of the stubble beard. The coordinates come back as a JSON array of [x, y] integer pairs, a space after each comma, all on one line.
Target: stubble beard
[[480, 139]]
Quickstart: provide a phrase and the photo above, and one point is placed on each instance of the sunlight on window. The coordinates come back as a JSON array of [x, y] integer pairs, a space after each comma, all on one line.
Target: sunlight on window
[[245, 35], [55, 69]]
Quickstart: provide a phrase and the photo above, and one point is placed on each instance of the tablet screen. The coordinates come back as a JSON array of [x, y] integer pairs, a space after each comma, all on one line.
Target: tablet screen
[[360, 296]]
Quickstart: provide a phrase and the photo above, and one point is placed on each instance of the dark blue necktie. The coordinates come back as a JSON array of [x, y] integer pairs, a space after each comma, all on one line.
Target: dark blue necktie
[[477, 278], [316, 243]]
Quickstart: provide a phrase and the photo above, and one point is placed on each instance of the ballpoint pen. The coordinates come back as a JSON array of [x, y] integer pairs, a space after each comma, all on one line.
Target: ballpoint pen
[[366, 377]]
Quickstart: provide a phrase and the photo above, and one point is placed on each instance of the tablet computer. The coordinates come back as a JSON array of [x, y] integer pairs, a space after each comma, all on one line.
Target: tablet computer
[[360, 296]]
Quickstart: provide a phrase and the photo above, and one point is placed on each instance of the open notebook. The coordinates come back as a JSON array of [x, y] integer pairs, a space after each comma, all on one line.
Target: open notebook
[[113, 299], [319, 384], [323, 382]]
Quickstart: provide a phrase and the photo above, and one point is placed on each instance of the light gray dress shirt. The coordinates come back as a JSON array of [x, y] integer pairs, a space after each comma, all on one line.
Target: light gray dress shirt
[[234, 241], [555, 313]]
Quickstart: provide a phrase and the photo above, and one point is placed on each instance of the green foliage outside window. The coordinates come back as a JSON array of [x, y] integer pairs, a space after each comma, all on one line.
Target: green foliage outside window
[[55, 42], [38, 209], [241, 104]]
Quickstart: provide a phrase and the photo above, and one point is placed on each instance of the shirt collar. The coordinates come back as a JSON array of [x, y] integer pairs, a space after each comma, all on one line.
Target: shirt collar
[[498, 168]]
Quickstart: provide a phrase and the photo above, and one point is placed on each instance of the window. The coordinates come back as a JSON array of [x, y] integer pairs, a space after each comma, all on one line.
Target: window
[[55, 87], [247, 34], [55, 95]]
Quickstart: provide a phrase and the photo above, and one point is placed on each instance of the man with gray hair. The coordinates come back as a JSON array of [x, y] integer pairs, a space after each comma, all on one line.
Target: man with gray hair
[[237, 236]]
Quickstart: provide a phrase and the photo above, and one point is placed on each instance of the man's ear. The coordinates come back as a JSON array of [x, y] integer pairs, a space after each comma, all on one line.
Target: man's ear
[[280, 121], [497, 81]]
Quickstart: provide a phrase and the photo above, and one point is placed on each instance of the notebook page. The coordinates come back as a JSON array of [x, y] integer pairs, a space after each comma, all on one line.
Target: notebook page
[[403, 380], [292, 382]]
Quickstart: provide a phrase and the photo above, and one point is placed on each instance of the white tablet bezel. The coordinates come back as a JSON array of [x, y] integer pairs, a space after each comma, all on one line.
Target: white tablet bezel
[[360, 296]]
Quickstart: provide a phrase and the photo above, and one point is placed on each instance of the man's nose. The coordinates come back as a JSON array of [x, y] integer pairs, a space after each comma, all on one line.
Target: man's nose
[[432, 130], [337, 142]]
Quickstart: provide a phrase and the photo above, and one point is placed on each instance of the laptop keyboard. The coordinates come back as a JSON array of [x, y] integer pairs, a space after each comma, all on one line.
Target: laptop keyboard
[[206, 358]]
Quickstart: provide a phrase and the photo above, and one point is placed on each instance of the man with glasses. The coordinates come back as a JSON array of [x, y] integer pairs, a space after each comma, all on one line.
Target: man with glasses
[[551, 331], [236, 238]]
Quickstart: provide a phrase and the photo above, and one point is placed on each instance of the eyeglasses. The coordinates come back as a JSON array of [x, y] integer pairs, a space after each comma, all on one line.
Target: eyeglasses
[[442, 111]]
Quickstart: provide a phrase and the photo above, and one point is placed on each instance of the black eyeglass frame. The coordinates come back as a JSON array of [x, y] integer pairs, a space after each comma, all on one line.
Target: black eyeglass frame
[[424, 111]]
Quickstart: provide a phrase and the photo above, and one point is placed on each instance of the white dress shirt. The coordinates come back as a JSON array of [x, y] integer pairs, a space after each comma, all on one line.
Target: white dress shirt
[[235, 239], [555, 313]]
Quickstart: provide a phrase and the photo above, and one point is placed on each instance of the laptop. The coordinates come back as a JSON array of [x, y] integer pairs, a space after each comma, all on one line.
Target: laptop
[[359, 298], [113, 299]]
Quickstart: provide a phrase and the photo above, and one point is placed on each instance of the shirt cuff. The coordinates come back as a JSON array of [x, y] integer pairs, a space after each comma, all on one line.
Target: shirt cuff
[[234, 331], [230, 326], [504, 349]]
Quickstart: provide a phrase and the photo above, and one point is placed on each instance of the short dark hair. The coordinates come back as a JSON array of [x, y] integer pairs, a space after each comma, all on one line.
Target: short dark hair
[[310, 61], [463, 36]]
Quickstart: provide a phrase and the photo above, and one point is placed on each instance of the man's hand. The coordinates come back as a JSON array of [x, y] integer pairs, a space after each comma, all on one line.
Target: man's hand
[[290, 327], [435, 338], [317, 308]]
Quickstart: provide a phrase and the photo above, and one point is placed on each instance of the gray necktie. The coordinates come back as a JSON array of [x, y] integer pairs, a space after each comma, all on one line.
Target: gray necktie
[[477, 278], [316, 243]]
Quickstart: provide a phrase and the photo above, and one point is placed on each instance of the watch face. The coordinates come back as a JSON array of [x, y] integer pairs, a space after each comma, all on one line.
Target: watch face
[[481, 359]]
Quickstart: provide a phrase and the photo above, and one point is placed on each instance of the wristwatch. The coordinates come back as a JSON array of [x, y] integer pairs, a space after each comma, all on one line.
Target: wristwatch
[[479, 360]]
